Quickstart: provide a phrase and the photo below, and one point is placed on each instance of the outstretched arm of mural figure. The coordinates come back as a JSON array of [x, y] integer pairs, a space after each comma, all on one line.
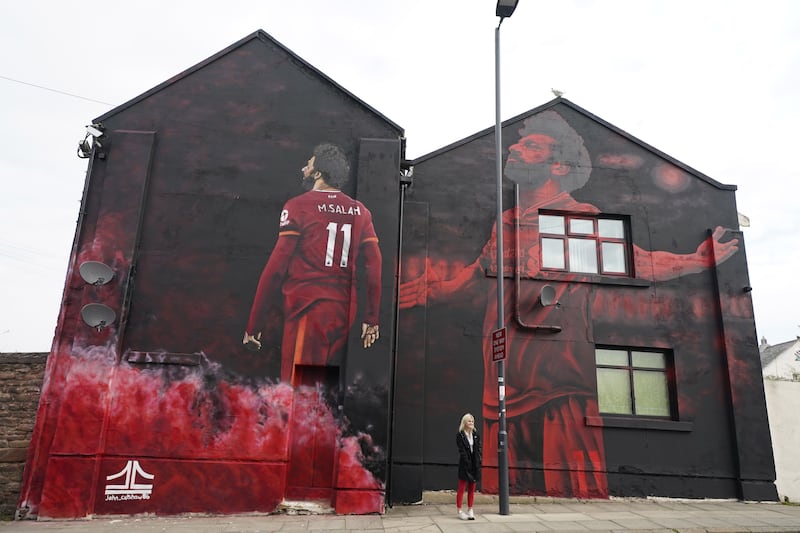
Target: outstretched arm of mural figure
[[429, 287], [269, 286], [662, 266], [371, 253]]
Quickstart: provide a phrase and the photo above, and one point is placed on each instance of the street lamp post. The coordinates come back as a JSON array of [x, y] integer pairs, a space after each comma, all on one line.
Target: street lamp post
[[505, 8]]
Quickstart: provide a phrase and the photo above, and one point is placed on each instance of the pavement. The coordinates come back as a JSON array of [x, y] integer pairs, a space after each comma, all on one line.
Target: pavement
[[437, 514]]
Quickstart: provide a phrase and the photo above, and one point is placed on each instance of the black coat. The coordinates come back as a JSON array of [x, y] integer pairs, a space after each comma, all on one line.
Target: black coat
[[469, 462]]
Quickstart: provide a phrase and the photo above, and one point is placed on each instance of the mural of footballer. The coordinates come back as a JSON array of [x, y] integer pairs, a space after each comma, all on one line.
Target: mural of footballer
[[311, 271], [550, 385]]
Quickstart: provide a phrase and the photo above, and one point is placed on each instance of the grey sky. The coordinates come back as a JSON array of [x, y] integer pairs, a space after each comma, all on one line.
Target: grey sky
[[714, 84]]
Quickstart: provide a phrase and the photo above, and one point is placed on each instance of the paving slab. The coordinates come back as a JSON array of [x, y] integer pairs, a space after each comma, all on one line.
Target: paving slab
[[439, 516]]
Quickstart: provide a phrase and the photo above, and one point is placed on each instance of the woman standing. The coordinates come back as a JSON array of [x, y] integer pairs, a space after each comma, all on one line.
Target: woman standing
[[469, 464]]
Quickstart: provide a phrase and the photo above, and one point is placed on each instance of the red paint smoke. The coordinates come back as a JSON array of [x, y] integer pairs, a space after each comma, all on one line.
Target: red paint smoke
[[199, 416]]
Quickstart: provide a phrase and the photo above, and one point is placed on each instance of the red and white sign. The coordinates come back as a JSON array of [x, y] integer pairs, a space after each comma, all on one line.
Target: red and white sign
[[499, 344]]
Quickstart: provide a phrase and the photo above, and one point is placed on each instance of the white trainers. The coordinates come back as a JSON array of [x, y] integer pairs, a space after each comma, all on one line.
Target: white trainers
[[462, 515], [470, 515]]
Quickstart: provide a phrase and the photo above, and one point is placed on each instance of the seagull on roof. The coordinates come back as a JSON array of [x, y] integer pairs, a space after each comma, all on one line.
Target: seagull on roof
[[557, 93]]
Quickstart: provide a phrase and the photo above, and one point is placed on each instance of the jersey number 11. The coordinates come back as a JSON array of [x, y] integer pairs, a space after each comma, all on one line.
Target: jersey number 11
[[330, 249]]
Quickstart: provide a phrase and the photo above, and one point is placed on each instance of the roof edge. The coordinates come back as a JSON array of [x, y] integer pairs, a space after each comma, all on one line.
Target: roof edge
[[579, 109], [264, 37], [646, 146], [465, 140]]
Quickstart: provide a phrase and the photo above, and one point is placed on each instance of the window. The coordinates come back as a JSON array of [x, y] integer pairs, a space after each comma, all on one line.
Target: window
[[633, 382], [584, 244]]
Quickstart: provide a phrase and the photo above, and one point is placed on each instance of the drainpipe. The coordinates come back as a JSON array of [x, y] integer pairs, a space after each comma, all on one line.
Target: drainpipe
[[406, 173], [518, 276]]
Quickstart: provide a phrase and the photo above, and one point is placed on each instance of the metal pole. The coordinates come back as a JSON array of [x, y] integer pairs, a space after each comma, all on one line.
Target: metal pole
[[502, 437]]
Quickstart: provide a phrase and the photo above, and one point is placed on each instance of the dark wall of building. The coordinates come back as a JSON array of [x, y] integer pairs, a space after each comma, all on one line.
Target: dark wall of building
[[184, 201], [242, 368], [684, 295]]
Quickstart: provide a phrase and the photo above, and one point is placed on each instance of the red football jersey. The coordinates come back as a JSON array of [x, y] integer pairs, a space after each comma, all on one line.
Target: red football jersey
[[331, 227], [322, 233]]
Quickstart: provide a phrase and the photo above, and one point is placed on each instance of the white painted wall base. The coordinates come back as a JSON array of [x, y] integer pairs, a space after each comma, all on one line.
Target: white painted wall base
[[783, 404]]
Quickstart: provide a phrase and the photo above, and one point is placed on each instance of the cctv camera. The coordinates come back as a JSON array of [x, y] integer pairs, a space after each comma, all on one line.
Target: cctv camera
[[94, 131]]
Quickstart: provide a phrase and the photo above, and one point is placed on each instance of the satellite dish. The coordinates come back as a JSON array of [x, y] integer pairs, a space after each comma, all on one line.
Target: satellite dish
[[95, 272], [547, 295], [98, 315]]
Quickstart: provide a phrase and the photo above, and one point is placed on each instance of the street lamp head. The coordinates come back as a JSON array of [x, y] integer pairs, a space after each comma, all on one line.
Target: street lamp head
[[505, 8]]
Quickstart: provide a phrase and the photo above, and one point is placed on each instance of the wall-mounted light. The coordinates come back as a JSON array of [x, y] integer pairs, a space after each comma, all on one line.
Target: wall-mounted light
[[95, 272], [98, 315]]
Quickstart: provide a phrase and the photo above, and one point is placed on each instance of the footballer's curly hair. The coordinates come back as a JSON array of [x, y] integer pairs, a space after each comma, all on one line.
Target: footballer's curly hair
[[331, 161], [568, 149]]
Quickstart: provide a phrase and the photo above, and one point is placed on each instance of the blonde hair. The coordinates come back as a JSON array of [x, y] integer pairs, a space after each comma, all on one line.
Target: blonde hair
[[464, 421]]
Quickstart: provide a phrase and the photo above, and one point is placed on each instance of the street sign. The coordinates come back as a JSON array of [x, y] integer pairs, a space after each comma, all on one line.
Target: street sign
[[499, 344]]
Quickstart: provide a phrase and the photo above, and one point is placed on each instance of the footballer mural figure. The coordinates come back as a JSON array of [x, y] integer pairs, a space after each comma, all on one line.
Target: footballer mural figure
[[550, 386], [322, 235], [310, 278]]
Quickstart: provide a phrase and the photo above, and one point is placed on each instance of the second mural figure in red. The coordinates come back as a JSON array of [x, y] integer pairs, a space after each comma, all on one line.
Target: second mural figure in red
[[550, 384]]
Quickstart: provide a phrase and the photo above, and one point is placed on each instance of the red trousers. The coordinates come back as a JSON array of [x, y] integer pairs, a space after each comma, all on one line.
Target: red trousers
[[470, 488]]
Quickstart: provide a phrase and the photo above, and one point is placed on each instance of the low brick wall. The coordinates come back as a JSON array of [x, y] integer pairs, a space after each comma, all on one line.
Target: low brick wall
[[21, 377]]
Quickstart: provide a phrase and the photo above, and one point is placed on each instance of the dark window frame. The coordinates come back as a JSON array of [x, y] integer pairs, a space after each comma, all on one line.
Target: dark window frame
[[626, 242], [669, 374]]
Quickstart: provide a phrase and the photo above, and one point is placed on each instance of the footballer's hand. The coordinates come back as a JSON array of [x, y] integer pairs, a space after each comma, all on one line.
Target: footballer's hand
[[413, 293], [369, 334], [253, 342]]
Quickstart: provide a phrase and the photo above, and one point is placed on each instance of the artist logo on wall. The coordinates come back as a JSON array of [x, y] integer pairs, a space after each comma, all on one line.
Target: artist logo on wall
[[131, 488]]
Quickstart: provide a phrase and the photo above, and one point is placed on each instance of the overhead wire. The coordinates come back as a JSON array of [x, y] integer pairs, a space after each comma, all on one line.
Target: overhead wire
[[55, 90], [37, 258]]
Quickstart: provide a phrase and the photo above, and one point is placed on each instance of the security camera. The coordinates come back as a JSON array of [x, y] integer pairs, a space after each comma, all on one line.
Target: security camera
[[94, 130], [406, 173]]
